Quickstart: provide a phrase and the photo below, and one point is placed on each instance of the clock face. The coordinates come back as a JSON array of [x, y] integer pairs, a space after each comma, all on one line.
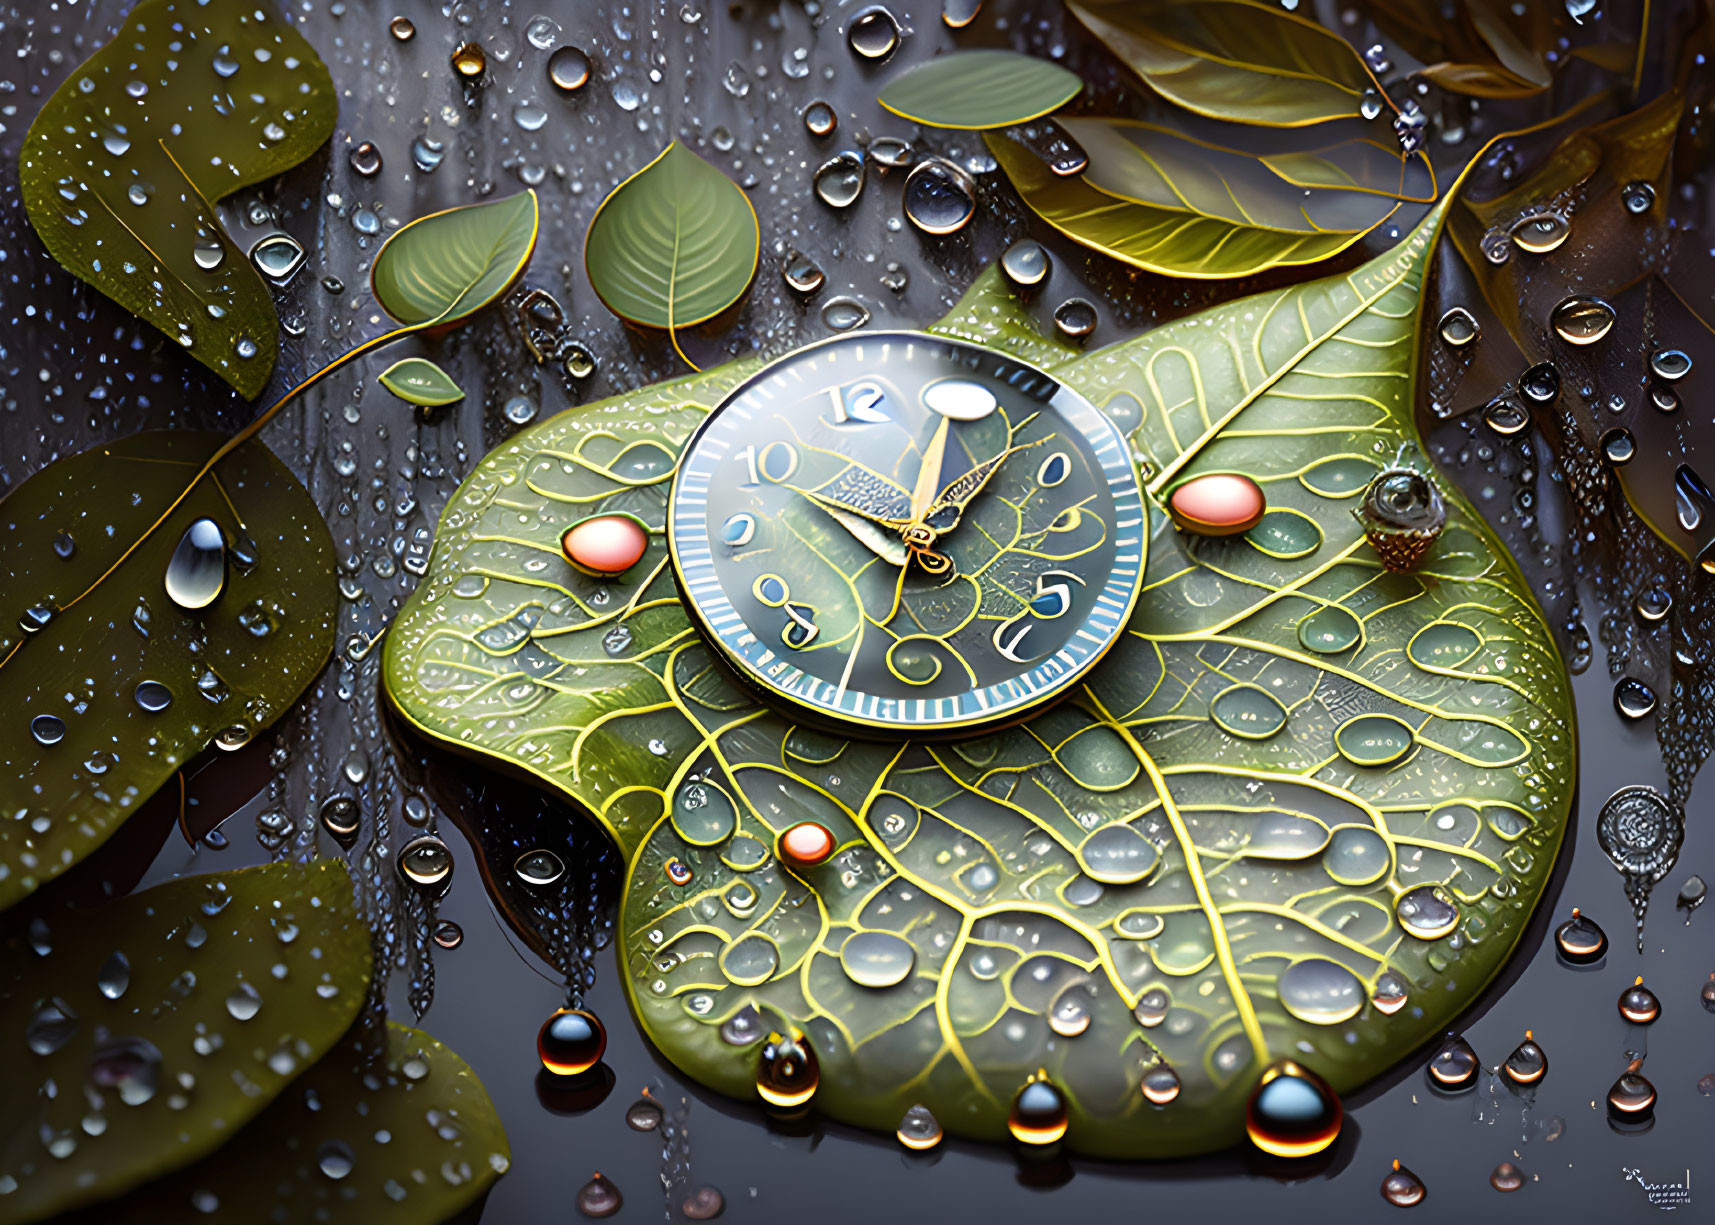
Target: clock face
[[899, 532]]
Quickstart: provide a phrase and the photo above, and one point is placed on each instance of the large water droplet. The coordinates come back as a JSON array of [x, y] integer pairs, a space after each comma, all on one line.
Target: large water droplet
[[244, 1002], [1581, 940], [1619, 447], [469, 61], [114, 976], [152, 696], [873, 33], [1427, 912], [1581, 319], [1631, 1099], [842, 314], [1638, 197], [1292, 1112], [1528, 1063], [196, 572], [1638, 1004], [48, 729], [1160, 1085], [539, 868], [939, 197], [1039, 1114], [428, 153], [819, 118], [366, 159], [1455, 1065], [569, 69], [645, 1114], [1075, 318], [1506, 416], [426, 861], [877, 959], [571, 1042], [919, 1129], [1025, 264], [129, 1066], [1506, 1177], [402, 29], [51, 1028], [839, 180], [1402, 1188], [599, 1198], [1633, 698], [1320, 991], [277, 256], [1541, 232], [786, 1070], [334, 1159], [1459, 327], [1541, 383]]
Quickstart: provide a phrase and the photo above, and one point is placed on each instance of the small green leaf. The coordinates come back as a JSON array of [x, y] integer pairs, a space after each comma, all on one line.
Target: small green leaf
[[120, 685], [447, 266], [673, 245], [189, 103], [980, 89], [1231, 59], [352, 1142], [164, 1022], [418, 380]]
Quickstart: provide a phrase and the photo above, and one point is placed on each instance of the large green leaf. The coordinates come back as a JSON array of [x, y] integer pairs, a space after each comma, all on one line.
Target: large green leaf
[[447, 266], [1232, 59], [400, 1135], [980, 89], [188, 103], [673, 245], [1277, 851], [144, 1033], [88, 541], [417, 380], [1173, 241]]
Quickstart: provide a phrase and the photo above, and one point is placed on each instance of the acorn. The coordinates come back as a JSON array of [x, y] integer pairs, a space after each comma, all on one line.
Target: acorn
[[1402, 514]]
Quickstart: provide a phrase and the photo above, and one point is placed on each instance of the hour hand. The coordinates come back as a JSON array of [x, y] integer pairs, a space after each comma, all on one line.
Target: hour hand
[[950, 503], [868, 495]]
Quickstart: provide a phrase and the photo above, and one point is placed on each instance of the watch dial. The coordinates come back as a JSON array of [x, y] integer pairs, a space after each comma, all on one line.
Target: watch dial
[[893, 530]]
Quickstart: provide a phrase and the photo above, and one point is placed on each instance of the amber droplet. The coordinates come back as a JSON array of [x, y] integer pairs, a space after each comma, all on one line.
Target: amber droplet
[[1638, 1003], [786, 1070], [1455, 1065], [1402, 1188], [1581, 940], [1528, 1063], [1632, 1097], [1217, 504], [1292, 1112], [402, 29], [1507, 1177], [599, 1198], [571, 1042], [470, 61], [805, 845], [605, 545], [1038, 1112]]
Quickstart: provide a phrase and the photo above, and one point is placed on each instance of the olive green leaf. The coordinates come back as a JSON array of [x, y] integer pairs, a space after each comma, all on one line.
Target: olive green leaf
[[164, 1021], [189, 103], [1273, 912], [1480, 48], [673, 245], [391, 1132], [112, 686], [417, 380], [1231, 59], [1170, 240], [445, 267], [980, 89]]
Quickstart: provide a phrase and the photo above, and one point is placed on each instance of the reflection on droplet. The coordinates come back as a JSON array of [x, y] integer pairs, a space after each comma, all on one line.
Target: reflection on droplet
[[402, 29], [919, 1129], [1390, 993], [1633, 699], [1507, 1177], [244, 1002], [1217, 504], [1541, 232], [153, 696], [1402, 1188], [196, 573], [1540, 383], [341, 817], [873, 33], [1638, 1004], [1528, 1063], [448, 934], [1292, 1112], [366, 159], [470, 61], [277, 256], [1427, 912], [334, 1159], [703, 1204], [842, 314], [1581, 319], [801, 274], [786, 1070], [1160, 1085], [48, 729], [1459, 327], [539, 868], [1506, 416], [605, 545], [571, 1042], [1653, 604], [428, 153], [819, 118], [1631, 1099], [51, 1028], [1039, 1114], [569, 69], [939, 197], [1638, 197], [805, 845], [114, 976], [960, 13], [1152, 1008], [426, 861], [1070, 1013], [1025, 264], [1496, 247], [839, 180], [1076, 318], [744, 1027], [1618, 446], [1670, 364], [889, 152], [1455, 1065], [599, 1198]]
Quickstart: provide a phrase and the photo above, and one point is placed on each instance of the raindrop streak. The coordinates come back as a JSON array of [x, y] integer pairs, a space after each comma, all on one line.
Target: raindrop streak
[[569, 69], [1640, 832], [1455, 1065], [1581, 940], [786, 1070], [842, 314], [1402, 1188], [1025, 264], [1582, 320], [839, 180], [919, 1129], [1075, 317], [704, 1204], [939, 197], [1507, 1177], [1528, 1063], [873, 34], [1459, 327], [1292, 1112], [539, 868], [470, 61], [598, 1198], [196, 572], [1631, 1099], [645, 1114], [426, 861], [1038, 1115], [571, 1042], [1633, 699], [1638, 1004]]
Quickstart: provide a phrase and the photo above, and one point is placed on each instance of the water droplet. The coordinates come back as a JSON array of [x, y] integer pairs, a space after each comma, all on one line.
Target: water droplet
[[805, 845], [1528, 1063], [334, 1159], [1075, 317], [448, 934], [51, 1028], [428, 153], [786, 1070], [599, 1198], [678, 872], [244, 1002], [644, 1114], [1390, 993], [366, 159], [1670, 364], [1025, 264], [1455, 1065], [1402, 1188], [48, 729], [1320, 991], [1619, 447], [842, 314], [1496, 247], [873, 33], [1507, 1177], [1427, 912], [1638, 1004], [470, 61], [1654, 604], [1217, 504], [1403, 513], [341, 817], [1631, 1099], [539, 868], [939, 198], [277, 256], [541, 32], [744, 1027], [571, 1042], [1541, 232], [1691, 895], [114, 976], [1581, 319], [402, 29], [1633, 698], [877, 959], [1370, 104], [208, 252], [960, 13], [1039, 1115], [528, 115], [153, 696], [196, 572], [569, 69], [819, 118], [1459, 327], [1581, 940], [1292, 1112], [426, 861], [138, 194], [889, 152], [703, 1204], [1638, 197], [919, 1129], [839, 180], [1506, 416], [801, 274], [605, 545], [1540, 383], [1152, 1008], [129, 1066], [1160, 1085]]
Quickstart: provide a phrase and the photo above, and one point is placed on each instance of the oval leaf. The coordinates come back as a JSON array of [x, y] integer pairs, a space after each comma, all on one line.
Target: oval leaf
[[447, 266], [673, 245], [119, 183], [164, 1022], [1250, 63], [418, 380], [371, 1116], [83, 552], [1275, 850], [1171, 241], [980, 89]]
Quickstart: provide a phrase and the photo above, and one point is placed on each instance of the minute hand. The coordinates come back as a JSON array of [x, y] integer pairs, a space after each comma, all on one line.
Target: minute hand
[[950, 503]]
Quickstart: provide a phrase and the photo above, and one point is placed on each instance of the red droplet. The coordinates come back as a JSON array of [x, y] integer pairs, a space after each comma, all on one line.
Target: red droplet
[[1219, 504], [805, 845], [605, 545]]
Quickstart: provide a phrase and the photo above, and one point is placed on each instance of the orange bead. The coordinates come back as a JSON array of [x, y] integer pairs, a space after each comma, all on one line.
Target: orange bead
[[605, 545], [1219, 504], [805, 845]]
